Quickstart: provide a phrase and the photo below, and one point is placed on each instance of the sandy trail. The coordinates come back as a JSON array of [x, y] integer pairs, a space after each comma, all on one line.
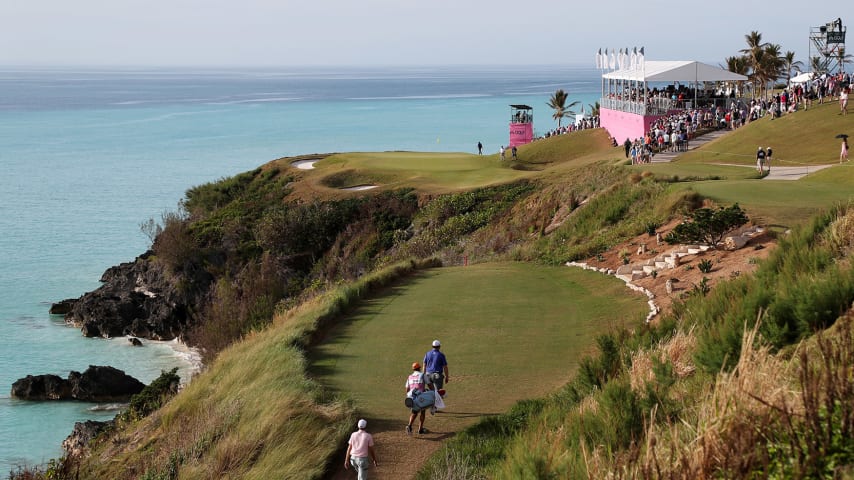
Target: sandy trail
[[400, 455]]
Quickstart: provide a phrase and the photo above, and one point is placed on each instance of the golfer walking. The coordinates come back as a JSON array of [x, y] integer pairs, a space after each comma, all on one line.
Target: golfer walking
[[360, 451], [436, 366]]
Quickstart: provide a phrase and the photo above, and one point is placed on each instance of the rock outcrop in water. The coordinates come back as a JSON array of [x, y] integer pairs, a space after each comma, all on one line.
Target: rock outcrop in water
[[96, 384], [138, 299]]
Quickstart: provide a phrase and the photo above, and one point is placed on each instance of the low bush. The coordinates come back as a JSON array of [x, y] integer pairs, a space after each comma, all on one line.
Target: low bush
[[152, 396]]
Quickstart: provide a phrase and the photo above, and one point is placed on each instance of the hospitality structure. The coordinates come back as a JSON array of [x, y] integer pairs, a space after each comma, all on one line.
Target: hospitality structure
[[637, 92]]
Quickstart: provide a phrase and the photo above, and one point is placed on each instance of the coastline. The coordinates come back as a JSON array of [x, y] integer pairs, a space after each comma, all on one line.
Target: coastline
[[191, 355], [61, 183]]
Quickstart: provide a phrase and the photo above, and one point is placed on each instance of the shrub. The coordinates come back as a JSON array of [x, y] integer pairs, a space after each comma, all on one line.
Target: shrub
[[705, 266], [153, 395], [622, 413], [708, 226], [651, 227]]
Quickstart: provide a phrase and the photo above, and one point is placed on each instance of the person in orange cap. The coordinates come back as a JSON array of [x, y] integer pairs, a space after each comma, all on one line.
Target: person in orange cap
[[415, 384]]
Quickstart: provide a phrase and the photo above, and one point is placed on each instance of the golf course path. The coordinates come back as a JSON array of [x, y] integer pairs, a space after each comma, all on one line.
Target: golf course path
[[784, 173], [776, 173], [401, 455], [694, 144], [793, 173]]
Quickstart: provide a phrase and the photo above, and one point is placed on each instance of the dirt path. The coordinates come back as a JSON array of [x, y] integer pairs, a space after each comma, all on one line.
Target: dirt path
[[401, 455]]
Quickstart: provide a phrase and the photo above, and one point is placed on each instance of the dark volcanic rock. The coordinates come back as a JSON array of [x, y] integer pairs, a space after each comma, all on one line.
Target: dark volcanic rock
[[41, 387], [103, 384], [84, 432], [96, 384], [138, 299], [135, 341], [62, 307]]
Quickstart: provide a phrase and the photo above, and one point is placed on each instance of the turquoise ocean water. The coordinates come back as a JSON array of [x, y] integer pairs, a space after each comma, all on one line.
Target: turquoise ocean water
[[87, 155]]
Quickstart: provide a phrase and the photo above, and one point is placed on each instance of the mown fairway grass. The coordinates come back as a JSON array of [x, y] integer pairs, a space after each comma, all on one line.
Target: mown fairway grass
[[697, 171], [510, 331], [783, 203], [427, 170], [435, 172]]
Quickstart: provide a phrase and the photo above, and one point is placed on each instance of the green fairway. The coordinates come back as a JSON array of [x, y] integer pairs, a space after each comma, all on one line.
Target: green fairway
[[781, 202], [436, 172], [510, 331], [451, 170], [697, 171]]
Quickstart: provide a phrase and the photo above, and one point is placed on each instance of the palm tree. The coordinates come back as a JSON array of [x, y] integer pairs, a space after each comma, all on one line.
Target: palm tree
[[558, 104], [790, 64], [770, 64], [594, 109], [753, 52], [737, 65]]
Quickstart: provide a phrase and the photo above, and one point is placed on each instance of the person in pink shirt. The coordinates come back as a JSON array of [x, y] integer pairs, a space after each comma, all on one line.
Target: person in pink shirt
[[360, 451], [416, 383]]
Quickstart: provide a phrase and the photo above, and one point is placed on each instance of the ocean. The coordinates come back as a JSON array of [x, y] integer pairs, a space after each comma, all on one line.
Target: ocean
[[88, 154]]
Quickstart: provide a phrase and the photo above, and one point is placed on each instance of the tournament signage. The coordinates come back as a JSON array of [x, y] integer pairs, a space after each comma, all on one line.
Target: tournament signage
[[835, 37], [521, 133]]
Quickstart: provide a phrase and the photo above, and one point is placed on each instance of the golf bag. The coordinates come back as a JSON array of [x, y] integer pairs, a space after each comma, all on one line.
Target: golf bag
[[420, 401]]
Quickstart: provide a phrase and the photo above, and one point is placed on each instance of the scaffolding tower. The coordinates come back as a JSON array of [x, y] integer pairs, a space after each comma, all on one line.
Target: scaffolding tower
[[827, 47]]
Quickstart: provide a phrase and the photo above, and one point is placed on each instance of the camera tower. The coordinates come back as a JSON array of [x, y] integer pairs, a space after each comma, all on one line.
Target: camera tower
[[827, 47]]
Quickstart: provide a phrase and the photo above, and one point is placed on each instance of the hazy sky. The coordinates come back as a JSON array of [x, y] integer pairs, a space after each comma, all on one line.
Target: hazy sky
[[392, 32]]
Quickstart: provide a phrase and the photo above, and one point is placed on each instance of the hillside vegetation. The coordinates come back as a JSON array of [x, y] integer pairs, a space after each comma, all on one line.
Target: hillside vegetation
[[290, 258]]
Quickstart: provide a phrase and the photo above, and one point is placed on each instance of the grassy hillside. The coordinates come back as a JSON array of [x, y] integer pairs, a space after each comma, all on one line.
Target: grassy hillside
[[803, 138], [297, 260]]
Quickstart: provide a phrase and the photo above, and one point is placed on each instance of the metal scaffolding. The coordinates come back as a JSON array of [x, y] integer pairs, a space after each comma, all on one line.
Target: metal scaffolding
[[827, 47]]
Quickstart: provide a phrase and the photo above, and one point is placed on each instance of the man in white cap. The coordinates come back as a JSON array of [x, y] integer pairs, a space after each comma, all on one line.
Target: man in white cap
[[360, 449], [760, 159], [436, 366]]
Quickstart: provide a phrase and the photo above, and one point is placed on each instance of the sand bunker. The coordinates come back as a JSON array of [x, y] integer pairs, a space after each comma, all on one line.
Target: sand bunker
[[305, 164]]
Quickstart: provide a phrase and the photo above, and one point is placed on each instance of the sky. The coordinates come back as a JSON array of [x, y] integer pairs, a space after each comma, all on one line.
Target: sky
[[272, 33]]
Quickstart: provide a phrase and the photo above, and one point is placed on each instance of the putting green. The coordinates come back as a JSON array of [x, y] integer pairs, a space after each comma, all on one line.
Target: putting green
[[510, 331]]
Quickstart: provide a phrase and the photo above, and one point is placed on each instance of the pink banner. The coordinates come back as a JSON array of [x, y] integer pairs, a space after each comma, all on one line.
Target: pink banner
[[521, 133]]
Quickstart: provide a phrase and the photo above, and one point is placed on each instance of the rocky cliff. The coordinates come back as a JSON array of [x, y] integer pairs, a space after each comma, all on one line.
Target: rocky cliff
[[137, 298]]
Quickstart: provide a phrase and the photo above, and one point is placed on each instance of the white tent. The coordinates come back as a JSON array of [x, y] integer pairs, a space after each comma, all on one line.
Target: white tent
[[627, 89], [802, 78], [674, 71]]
